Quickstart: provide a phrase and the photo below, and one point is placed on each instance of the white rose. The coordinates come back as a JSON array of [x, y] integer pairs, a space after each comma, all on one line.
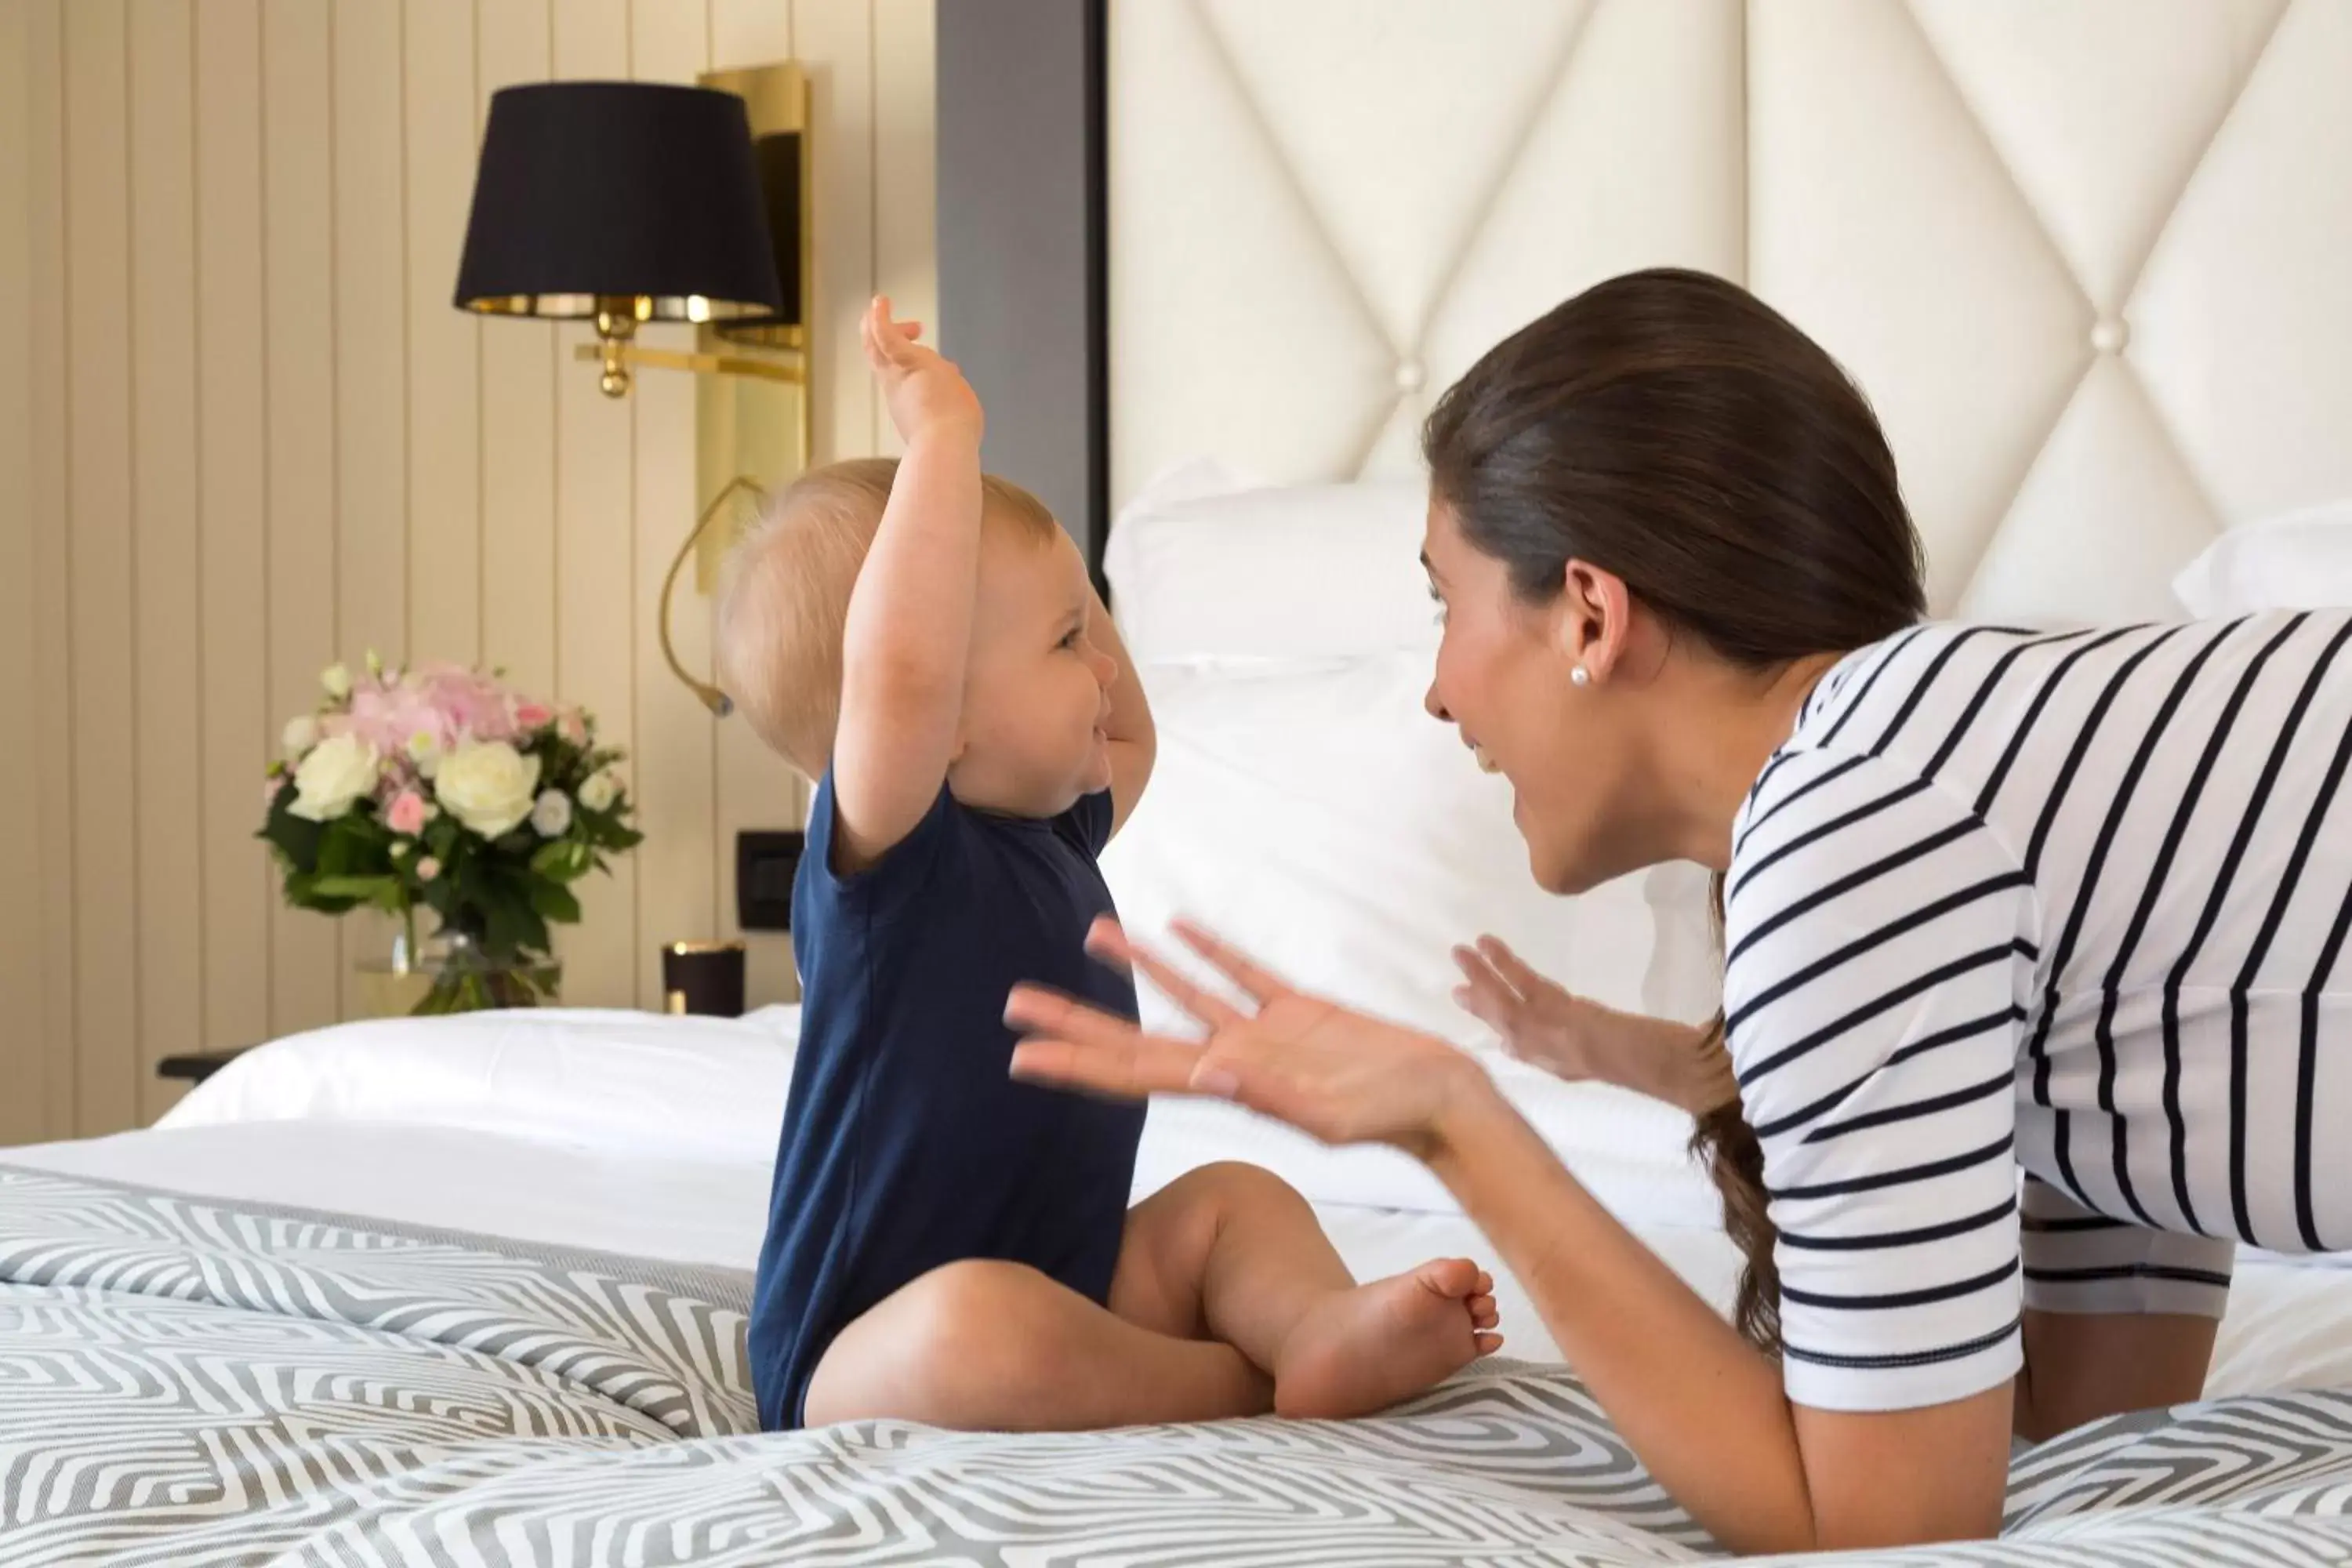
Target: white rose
[[342, 768], [337, 679], [600, 792], [487, 785], [552, 815], [300, 735], [425, 751]]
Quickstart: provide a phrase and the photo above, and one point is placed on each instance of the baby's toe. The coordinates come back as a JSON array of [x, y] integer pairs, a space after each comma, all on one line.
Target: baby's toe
[[1454, 1277]]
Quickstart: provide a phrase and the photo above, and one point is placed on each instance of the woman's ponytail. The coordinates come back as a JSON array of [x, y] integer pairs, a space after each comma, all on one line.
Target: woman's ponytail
[[1735, 1159]]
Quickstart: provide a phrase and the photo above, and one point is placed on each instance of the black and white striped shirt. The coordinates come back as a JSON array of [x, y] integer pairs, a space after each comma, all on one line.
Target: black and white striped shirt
[[2073, 903]]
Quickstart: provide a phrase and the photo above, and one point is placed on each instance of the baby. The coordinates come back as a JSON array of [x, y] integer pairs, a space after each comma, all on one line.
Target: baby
[[946, 1245]]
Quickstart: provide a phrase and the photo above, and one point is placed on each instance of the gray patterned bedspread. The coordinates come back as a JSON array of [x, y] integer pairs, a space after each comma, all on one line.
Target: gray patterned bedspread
[[187, 1381]]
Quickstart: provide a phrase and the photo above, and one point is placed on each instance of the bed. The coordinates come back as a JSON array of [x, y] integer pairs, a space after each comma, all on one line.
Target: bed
[[472, 1291]]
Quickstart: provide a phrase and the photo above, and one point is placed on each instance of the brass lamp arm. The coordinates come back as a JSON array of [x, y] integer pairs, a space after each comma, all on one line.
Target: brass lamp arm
[[615, 353], [711, 695]]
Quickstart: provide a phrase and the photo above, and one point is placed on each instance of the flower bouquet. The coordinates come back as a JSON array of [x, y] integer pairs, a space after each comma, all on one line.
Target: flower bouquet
[[440, 787]]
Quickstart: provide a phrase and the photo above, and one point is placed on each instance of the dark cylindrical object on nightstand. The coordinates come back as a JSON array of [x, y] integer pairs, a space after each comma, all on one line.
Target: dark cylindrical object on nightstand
[[703, 977]]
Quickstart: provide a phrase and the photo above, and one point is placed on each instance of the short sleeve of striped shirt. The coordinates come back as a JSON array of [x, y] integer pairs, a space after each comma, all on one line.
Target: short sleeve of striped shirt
[[1874, 927]]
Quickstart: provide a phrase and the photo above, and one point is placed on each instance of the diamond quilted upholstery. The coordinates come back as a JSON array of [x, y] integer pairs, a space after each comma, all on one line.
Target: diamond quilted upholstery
[[2091, 259]]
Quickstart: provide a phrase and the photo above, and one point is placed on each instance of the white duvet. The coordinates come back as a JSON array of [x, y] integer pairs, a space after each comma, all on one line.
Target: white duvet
[[654, 1137]]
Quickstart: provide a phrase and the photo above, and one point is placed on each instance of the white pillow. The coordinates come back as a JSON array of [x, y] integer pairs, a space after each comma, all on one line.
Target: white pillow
[[623, 1082], [1201, 569], [2300, 561], [1316, 817]]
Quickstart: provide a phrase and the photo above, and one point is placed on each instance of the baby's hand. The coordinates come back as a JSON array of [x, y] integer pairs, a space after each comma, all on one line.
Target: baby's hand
[[926, 392]]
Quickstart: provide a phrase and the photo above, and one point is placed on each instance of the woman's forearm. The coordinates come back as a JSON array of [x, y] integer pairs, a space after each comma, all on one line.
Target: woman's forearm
[[1668, 1061], [1702, 1408]]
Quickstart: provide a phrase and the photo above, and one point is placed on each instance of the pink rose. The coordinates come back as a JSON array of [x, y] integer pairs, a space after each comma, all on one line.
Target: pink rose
[[390, 719], [427, 868], [533, 715], [408, 814], [574, 726], [468, 704]]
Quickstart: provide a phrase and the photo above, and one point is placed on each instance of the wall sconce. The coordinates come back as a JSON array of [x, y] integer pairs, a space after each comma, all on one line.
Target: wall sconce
[[624, 203]]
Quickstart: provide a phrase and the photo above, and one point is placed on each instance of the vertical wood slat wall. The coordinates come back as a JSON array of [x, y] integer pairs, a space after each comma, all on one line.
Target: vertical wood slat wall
[[243, 435]]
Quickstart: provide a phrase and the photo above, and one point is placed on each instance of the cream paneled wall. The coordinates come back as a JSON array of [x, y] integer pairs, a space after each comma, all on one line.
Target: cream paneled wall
[[242, 434]]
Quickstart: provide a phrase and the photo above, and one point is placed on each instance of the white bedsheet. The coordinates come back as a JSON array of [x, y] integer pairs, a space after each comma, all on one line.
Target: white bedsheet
[[654, 1137], [2289, 1326], [684, 1210]]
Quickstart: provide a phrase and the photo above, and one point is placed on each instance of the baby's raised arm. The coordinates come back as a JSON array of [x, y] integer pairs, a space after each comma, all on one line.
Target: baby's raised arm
[[908, 629]]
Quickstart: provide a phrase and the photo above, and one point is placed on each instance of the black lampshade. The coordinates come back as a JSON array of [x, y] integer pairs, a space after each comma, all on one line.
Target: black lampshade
[[630, 189]]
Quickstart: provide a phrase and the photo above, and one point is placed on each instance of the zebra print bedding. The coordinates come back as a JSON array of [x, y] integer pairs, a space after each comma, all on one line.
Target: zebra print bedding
[[193, 1382]]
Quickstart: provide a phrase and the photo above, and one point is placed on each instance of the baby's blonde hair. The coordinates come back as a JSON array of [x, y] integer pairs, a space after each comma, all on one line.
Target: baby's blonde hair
[[784, 598]]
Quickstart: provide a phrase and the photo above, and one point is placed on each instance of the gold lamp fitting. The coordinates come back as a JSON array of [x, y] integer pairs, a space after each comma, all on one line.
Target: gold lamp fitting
[[614, 329], [717, 701]]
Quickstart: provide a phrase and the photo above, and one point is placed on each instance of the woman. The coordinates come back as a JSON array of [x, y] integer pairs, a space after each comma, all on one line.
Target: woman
[[1993, 901]]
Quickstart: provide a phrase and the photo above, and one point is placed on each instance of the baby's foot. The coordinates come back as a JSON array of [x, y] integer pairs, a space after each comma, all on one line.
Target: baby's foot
[[1363, 1350]]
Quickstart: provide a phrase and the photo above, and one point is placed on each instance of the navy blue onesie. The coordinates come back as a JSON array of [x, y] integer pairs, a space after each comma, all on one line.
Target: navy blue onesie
[[905, 1145]]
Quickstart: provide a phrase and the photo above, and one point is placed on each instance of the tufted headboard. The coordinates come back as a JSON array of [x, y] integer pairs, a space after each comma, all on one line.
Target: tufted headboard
[[2091, 259]]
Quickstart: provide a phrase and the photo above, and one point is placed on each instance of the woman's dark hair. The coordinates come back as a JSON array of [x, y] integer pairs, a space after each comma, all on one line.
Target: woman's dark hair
[[1673, 430]]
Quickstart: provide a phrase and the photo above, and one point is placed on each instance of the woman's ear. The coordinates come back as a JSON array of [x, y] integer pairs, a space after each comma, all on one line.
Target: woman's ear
[[1595, 618]]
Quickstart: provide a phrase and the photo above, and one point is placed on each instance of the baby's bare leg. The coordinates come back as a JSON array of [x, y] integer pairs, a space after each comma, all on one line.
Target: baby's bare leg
[[999, 1347], [1231, 1251]]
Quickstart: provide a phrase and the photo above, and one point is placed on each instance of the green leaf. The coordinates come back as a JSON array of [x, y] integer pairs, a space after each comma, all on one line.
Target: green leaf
[[366, 890], [295, 838], [507, 926], [348, 850], [362, 825], [302, 892], [561, 860], [554, 901], [606, 830]]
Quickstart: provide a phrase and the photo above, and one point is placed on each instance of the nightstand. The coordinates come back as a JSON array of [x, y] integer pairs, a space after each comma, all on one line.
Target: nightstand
[[196, 1065]]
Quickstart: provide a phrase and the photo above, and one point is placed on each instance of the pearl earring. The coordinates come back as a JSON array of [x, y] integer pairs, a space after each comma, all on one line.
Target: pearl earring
[[1580, 675]]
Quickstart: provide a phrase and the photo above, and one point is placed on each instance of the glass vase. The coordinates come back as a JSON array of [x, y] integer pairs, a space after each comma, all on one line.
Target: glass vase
[[454, 973]]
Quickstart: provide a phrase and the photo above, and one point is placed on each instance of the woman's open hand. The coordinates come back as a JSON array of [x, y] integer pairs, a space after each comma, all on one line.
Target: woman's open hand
[[1337, 1074], [1540, 1021], [1571, 1038]]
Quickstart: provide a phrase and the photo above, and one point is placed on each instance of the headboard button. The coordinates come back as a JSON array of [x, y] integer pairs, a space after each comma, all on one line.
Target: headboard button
[[1410, 375], [2111, 336]]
